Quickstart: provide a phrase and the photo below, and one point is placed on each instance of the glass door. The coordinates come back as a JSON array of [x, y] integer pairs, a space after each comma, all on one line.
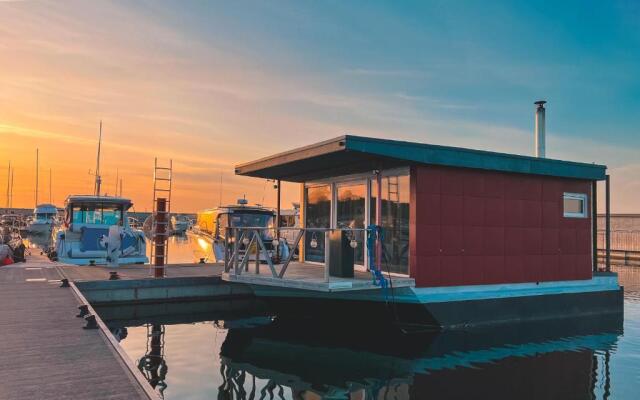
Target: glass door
[[395, 220], [317, 215], [351, 213]]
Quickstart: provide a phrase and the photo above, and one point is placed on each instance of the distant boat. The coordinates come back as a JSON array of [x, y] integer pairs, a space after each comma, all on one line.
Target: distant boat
[[43, 220], [91, 225], [213, 224], [179, 224]]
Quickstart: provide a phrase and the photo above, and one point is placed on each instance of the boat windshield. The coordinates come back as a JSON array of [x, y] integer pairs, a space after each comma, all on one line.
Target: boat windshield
[[44, 216], [251, 220], [99, 214]]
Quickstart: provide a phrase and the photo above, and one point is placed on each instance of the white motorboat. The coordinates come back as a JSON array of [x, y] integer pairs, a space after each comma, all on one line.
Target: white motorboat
[[179, 224], [96, 231], [44, 219]]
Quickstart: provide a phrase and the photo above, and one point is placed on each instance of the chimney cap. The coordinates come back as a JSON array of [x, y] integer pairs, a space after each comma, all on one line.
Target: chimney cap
[[540, 103]]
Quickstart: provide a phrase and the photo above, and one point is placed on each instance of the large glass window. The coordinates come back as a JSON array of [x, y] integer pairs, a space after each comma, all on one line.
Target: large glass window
[[98, 214], [317, 215], [350, 213], [395, 221]]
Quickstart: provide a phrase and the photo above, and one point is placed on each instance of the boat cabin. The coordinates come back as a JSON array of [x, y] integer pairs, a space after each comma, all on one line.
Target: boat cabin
[[214, 222], [45, 212], [450, 216]]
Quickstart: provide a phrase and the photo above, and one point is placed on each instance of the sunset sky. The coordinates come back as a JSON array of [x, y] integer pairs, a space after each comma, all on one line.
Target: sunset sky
[[213, 84]]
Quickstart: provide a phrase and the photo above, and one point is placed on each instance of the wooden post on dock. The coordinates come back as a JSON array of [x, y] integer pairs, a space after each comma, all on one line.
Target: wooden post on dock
[[160, 237]]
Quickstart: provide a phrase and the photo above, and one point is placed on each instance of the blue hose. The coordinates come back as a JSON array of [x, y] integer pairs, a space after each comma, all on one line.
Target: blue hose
[[374, 232]]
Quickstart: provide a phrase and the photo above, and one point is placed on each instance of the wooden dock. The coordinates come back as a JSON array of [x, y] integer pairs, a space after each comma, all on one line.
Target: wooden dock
[[44, 351]]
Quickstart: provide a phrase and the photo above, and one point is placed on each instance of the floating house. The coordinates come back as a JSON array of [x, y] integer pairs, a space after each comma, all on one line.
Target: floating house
[[469, 237]]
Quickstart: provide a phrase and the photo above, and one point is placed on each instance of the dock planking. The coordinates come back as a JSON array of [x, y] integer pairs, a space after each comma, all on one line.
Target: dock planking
[[44, 352]]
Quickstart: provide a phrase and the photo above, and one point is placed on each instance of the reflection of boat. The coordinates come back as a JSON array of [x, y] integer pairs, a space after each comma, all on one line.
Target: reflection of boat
[[44, 220], [324, 361], [214, 224], [91, 225]]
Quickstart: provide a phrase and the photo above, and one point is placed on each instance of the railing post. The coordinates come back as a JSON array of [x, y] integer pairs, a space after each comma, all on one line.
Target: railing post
[[326, 257], [594, 222], [257, 256], [236, 250], [608, 222], [226, 250]]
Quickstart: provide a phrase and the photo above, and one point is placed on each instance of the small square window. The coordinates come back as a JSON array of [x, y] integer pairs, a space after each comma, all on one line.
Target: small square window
[[575, 205]]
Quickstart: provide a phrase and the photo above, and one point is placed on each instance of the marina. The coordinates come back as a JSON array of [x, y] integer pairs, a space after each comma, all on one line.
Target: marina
[[319, 200]]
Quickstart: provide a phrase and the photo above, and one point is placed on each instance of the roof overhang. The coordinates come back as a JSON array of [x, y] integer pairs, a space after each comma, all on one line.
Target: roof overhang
[[349, 154]]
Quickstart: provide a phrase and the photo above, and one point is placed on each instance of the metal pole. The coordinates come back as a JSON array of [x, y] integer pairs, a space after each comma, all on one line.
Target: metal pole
[[37, 170], [8, 184], [379, 218], [50, 195], [594, 223], [326, 256], [160, 237], [608, 222], [278, 221]]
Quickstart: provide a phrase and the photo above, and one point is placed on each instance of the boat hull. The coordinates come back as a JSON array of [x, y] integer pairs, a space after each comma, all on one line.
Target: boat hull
[[452, 308]]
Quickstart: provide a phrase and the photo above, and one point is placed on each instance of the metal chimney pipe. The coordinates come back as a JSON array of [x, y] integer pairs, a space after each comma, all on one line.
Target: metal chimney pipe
[[540, 129]]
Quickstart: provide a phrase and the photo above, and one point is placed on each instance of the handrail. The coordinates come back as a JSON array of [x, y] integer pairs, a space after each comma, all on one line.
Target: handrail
[[238, 259]]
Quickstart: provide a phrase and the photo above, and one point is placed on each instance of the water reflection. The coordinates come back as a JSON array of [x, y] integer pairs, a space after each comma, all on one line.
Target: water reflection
[[256, 356]]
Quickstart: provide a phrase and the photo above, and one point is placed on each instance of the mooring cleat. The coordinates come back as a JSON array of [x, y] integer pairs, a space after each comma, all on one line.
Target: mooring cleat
[[84, 310], [91, 322], [113, 276], [65, 282]]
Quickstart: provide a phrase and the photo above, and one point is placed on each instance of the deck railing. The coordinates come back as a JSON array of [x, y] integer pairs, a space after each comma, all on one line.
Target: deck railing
[[238, 257]]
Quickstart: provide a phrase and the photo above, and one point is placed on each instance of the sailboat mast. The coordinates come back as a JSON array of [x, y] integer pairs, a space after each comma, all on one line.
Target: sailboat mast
[[120, 187], [11, 191], [37, 172], [8, 183], [117, 180], [96, 190]]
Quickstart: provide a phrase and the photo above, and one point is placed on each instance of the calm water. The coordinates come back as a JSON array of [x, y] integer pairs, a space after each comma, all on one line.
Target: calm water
[[237, 350]]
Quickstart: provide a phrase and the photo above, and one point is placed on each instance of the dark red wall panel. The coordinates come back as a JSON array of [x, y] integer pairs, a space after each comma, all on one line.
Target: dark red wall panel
[[472, 227]]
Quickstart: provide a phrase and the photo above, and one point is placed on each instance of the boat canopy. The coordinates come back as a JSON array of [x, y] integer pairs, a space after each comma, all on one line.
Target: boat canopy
[[45, 209], [98, 200], [350, 154]]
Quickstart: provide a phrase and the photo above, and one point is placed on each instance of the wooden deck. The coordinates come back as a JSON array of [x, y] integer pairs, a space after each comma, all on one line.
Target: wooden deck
[[44, 352], [311, 277]]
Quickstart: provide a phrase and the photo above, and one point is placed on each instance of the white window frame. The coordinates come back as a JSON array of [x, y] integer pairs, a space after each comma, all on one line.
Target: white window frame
[[576, 196]]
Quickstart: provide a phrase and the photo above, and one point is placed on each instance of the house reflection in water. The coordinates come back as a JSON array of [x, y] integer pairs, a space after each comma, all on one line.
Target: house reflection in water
[[257, 356], [518, 362]]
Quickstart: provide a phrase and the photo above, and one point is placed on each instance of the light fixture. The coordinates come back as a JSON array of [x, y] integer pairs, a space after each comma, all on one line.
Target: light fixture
[[313, 243], [353, 243], [245, 240]]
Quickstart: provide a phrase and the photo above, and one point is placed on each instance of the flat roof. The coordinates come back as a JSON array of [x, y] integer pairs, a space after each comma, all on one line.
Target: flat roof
[[350, 154], [97, 199]]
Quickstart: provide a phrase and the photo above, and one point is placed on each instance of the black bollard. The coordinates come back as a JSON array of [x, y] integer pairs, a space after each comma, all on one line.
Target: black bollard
[[91, 322], [84, 310], [113, 276], [65, 282]]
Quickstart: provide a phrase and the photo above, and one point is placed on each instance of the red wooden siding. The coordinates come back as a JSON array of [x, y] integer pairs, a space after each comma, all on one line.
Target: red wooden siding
[[481, 227]]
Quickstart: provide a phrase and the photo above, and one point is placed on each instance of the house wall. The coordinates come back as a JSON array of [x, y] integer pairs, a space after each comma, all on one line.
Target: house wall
[[473, 227]]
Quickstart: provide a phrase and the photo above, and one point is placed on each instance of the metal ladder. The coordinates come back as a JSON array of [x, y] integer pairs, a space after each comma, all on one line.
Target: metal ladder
[[162, 185]]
